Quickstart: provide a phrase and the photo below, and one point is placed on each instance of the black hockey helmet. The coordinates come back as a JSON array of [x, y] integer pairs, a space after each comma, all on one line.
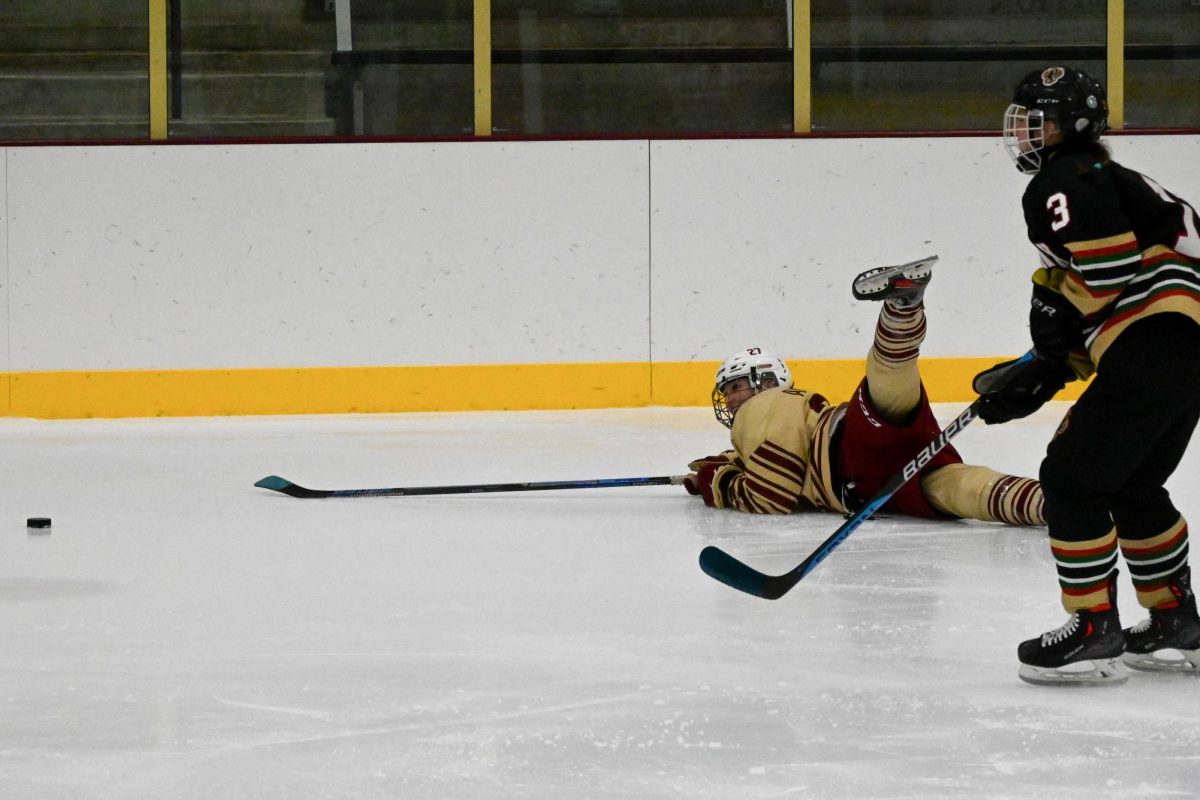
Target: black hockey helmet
[[1072, 99]]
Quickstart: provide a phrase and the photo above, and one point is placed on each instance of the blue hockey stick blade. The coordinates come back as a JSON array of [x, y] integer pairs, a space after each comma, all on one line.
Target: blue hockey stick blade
[[718, 564]]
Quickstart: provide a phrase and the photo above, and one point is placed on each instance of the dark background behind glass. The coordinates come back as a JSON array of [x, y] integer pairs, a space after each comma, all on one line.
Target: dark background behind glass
[[77, 69]]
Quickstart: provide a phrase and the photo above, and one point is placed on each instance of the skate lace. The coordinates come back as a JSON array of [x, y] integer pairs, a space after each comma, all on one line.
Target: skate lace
[[1058, 634]]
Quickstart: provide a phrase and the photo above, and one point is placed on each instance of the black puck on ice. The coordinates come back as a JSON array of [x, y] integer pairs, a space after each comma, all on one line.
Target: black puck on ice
[[37, 522]]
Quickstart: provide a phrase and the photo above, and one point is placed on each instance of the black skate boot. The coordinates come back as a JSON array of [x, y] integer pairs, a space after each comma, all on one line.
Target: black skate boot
[[1169, 639], [903, 284], [1083, 652]]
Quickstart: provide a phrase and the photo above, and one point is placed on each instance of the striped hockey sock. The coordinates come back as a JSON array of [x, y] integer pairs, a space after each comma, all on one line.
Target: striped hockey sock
[[1154, 560], [1016, 501], [1084, 569], [899, 333]]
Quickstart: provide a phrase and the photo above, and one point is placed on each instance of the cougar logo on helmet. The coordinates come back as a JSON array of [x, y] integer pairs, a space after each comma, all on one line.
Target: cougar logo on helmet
[[1052, 75]]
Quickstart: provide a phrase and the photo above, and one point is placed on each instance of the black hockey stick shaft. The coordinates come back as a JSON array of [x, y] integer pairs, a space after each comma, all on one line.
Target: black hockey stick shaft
[[278, 484], [734, 573]]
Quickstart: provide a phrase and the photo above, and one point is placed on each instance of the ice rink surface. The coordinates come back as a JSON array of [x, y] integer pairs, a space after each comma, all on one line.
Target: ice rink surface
[[181, 634]]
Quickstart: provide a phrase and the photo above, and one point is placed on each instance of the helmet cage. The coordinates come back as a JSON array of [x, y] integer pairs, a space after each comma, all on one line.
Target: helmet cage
[[1070, 98], [1024, 137], [762, 370]]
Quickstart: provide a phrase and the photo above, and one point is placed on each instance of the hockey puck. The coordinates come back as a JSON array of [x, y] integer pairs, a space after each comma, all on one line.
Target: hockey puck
[[37, 522]]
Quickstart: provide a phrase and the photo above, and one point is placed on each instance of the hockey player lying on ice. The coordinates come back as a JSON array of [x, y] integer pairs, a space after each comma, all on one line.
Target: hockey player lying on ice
[[794, 451]]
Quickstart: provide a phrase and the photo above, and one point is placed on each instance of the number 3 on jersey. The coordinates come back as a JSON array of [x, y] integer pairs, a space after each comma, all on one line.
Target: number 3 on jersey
[[1057, 203]]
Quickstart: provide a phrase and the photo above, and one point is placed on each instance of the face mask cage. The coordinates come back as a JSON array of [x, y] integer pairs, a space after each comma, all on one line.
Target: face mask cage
[[721, 408], [1024, 137], [758, 382]]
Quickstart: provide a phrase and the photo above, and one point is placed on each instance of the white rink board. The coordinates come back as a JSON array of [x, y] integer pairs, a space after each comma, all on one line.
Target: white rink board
[[757, 241], [773, 231], [240, 256], [327, 255]]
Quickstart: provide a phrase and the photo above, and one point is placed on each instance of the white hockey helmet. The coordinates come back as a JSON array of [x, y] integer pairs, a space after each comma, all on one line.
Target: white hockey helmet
[[763, 369]]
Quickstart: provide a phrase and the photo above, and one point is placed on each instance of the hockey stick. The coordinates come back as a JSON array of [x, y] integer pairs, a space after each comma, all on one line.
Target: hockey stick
[[731, 572], [278, 484]]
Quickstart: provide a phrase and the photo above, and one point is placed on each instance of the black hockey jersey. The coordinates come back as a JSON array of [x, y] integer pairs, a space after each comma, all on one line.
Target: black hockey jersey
[[1115, 243]]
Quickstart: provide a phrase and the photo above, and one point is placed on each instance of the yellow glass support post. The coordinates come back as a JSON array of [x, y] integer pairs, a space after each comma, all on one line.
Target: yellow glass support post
[[1116, 64], [483, 67], [802, 66], [158, 69]]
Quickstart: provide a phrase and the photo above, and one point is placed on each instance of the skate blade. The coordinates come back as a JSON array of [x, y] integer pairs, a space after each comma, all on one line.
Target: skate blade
[[874, 281], [1096, 672], [1166, 660]]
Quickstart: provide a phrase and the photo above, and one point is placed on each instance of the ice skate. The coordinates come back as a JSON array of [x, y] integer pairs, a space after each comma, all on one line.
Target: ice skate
[[1085, 651], [903, 284], [1169, 639]]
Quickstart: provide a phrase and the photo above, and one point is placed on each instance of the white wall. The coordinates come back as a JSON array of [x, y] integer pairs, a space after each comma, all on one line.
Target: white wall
[[773, 231], [178, 257], [757, 241], [335, 254]]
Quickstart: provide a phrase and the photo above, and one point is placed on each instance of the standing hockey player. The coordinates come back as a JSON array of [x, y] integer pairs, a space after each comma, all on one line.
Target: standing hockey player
[[793, 451], [1118, 293]]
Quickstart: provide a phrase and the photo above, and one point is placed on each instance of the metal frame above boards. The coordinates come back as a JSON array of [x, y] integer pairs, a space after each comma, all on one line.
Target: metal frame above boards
[[801, 53]]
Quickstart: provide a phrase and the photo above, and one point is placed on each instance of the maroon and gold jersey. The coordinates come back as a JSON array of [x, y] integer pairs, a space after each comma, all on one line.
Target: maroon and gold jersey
[[782, 439], [1113, 242], [783, 460]]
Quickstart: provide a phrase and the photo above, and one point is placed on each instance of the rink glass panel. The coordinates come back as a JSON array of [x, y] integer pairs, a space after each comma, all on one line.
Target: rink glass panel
[[655, 66], [250, 69], [77, 69], [1162, 93], [428, 90], [73, 69], [962, 84]]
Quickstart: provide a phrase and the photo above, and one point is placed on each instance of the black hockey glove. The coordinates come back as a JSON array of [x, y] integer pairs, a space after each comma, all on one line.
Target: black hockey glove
[[1054, 324], [1014, 390]]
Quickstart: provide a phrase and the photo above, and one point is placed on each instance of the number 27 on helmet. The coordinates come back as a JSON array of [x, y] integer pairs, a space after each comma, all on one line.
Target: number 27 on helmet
[[743, 375]]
